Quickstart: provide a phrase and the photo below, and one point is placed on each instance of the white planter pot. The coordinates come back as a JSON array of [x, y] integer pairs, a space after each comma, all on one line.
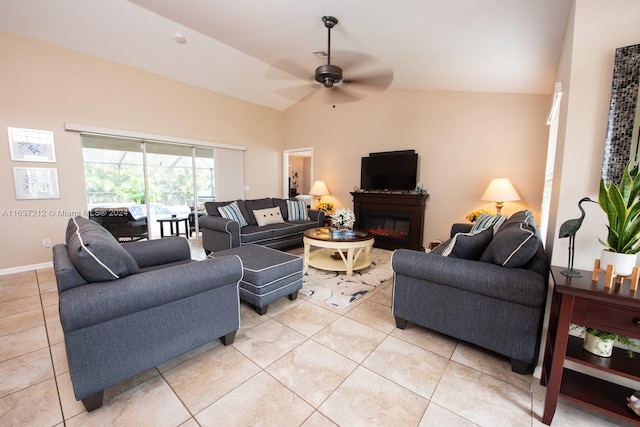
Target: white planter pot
[[595, 345], [623, 263]]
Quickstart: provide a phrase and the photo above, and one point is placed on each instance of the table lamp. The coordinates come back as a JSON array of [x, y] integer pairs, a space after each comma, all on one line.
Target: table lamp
[[319, 189], [500, 190]]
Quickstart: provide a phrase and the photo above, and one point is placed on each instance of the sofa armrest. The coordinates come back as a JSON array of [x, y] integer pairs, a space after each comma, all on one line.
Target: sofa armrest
[[518, 285], [316, 215], [460, 227], [148, 253], [95, 303], [219, 233]]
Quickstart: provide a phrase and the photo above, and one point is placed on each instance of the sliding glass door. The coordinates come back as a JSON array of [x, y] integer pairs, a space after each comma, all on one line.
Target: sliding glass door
[[153, 179]]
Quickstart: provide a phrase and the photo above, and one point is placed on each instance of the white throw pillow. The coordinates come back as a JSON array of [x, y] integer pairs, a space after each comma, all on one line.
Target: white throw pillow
[[268, 216]]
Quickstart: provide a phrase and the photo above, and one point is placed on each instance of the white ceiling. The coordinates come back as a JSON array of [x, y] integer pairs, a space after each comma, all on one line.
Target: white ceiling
[[239, 47]]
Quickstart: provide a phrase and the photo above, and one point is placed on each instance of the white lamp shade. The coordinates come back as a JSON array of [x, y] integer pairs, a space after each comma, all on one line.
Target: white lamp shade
[[500, 190], [319, 188]]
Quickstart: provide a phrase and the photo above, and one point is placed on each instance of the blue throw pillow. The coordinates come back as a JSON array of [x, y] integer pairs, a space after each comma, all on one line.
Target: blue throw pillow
[[297, 210], [513, 246], [232, 212], [95, 253], [469, 245], [486, 221]]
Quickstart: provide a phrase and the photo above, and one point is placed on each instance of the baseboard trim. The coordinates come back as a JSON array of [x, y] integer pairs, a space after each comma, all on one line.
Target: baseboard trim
[[24, 268]]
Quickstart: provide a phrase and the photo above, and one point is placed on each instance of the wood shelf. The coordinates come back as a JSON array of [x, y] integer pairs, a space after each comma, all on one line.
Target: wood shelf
[[590, 303], [598, 394], [619, 363]]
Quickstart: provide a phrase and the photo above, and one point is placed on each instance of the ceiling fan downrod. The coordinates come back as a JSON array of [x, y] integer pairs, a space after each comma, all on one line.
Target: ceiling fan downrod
[[328, 74]]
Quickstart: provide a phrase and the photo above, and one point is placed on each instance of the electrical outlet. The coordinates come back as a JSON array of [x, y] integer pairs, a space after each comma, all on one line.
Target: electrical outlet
[[46, 243]]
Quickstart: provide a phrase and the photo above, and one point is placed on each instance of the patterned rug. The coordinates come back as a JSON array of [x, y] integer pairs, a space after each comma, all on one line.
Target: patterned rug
[[339, 290]]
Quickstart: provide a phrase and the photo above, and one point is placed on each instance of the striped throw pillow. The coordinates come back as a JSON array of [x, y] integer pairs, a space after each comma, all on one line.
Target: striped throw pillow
[[297, 210], [485, 221], [232, 211]]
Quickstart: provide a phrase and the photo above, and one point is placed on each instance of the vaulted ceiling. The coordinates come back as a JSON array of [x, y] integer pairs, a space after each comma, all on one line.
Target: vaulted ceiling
[[262, 51]]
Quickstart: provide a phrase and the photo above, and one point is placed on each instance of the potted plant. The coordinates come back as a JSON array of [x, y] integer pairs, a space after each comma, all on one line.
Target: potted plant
[[600, 342], [620, 203]]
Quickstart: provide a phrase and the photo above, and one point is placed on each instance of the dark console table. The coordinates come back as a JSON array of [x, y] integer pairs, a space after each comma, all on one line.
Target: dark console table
[[395, 219], [589, 303]]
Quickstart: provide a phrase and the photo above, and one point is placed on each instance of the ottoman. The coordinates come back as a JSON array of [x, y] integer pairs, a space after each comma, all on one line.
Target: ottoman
[[268, 275]]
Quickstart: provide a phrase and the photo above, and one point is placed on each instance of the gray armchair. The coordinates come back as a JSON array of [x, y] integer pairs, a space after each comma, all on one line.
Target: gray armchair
[[494, 304], [151, 304]]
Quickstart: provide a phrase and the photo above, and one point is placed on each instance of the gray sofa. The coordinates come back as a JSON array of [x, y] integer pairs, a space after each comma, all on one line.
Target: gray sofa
[[125, 308], [219, 233], [490, 290]]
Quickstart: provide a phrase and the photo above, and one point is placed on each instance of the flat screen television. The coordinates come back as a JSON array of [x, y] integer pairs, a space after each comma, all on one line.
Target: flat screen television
[[391, 171]]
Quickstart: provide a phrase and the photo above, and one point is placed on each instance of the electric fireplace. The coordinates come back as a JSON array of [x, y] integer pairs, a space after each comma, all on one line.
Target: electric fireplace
[[395, 219]]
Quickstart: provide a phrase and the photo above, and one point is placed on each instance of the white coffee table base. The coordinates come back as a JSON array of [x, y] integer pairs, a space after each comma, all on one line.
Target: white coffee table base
[[353, 255]]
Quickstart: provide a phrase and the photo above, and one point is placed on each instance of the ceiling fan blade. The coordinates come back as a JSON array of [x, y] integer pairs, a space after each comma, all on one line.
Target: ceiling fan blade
[[351, 60], [376, 80], [295, 92], [283, 69], [341, 95]]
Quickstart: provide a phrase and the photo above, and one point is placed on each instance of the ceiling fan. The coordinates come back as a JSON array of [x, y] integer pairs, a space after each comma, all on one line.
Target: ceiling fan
[[359, 75]]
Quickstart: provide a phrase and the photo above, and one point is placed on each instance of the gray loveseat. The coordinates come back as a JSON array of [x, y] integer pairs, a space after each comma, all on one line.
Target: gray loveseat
[[219, 233], [125, 308], [490, 290]]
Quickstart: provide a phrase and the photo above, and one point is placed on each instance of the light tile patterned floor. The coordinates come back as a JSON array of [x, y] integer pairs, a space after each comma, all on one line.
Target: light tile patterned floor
[[300, 364]]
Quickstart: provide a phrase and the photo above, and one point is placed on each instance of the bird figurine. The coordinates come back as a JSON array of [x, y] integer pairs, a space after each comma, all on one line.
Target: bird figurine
[[569, 229]]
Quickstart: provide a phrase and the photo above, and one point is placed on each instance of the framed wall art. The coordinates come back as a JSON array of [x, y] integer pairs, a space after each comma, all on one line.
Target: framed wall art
[[31, 145], [36, 183]]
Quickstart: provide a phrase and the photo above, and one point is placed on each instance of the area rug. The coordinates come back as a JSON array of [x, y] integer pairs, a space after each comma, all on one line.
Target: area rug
[[339, 290]]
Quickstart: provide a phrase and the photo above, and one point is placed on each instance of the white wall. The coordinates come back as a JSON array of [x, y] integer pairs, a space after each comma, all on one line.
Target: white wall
[[44, 86], [586, 70], [463, 139]]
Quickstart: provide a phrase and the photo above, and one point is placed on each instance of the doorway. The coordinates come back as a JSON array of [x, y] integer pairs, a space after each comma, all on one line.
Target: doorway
[[297, 172]]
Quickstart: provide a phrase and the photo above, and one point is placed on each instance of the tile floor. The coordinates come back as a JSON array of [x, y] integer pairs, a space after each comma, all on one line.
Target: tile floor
[[303, 363]]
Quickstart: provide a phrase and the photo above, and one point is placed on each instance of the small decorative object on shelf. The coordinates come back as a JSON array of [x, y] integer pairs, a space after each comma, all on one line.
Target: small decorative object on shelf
[[610, 275], [621, 204], [420, 189], [600, 342], [569, 228]]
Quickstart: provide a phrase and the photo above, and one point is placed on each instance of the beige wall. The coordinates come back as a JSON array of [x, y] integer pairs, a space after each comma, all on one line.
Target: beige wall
[[463, 139], [586, 71], [44, 86]]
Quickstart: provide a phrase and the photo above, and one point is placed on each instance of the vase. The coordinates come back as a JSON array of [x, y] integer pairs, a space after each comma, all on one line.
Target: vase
[[594, 344], [622, 263]]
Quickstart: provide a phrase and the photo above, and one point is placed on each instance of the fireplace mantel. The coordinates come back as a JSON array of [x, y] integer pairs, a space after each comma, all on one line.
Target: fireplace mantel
[[405, 208]]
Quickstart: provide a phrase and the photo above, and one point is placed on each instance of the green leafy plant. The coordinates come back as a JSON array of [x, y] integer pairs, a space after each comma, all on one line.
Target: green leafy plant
[[620, 203], [610, 336]]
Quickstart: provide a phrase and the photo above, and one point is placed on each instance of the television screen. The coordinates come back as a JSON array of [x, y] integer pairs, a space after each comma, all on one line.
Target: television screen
[[393, 171]]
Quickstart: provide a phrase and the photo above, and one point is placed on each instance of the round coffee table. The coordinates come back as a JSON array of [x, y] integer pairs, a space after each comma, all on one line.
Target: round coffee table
[[346, 253]]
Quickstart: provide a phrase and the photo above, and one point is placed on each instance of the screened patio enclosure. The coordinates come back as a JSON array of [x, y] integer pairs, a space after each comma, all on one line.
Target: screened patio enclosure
[[153, 179]]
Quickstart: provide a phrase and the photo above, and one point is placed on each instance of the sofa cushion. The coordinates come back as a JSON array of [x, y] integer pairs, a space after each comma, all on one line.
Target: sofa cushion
[[469, 245], [297, 210], [95, 253], [512, 246], [268, 216], [257, 204], [486, 221], [232, 211]]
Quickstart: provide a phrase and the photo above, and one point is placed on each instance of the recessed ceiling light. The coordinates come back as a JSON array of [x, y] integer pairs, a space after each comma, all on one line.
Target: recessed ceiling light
[[179, 38]]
